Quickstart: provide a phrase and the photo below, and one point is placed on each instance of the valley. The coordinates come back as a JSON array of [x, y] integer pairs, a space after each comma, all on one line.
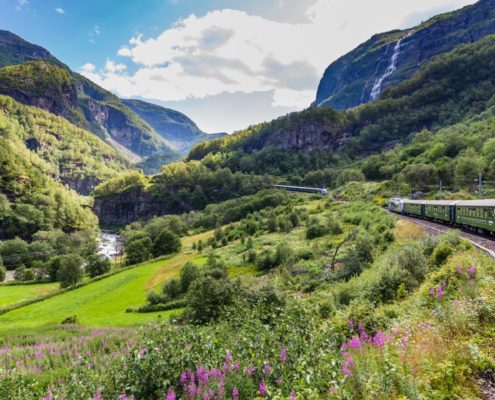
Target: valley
[[142, 258]]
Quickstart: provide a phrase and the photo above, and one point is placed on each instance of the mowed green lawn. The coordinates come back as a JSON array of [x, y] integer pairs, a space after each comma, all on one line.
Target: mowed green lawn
[[15, 294]]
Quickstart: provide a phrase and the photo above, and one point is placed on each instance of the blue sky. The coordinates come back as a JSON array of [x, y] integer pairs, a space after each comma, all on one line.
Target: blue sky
[[225, 63]]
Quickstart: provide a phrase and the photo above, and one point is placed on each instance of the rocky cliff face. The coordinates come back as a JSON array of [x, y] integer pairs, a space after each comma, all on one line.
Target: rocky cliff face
[[350, 80], [123, 208]]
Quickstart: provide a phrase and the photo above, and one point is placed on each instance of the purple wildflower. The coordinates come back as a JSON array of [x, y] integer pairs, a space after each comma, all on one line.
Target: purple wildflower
[[471, 272], [267, 368], [379, 339], [355, 342], [440, 292], [235, 393], [262, 389], [351, 323], [292, 396], [98, 396], [250, 370], [228, 358], [170, 395], [432, 292], [283, 354], [123, 396], [183, 378]]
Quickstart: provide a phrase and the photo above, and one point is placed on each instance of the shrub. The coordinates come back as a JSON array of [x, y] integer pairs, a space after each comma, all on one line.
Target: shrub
[[207, 297], [20, 272], [188, 274], [316, 230], [440, 254], [29, 275], [70, 271], [138, 250], [3, 273], [98, 265], [166, 243], [172, 290]]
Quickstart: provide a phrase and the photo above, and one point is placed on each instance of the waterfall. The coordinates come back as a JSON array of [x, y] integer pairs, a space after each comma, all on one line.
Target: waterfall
[[377, 87]]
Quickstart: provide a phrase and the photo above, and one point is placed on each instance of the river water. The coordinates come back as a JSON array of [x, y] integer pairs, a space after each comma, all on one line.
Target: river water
[[109, 245]]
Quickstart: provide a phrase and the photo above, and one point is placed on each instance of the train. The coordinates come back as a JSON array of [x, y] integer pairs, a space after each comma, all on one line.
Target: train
[[302, 189], [474, 215]]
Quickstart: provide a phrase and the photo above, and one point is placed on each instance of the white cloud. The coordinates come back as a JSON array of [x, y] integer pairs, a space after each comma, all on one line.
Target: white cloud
[[22, 4], [88, 68], [59, 10], [231, 51]]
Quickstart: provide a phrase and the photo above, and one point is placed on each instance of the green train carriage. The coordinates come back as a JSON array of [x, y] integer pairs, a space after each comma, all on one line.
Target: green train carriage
[[441, 210], [478, 214], [413, 207]]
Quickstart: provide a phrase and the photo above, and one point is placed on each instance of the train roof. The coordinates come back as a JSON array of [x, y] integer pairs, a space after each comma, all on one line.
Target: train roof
[[407, 201], [477, 203], [441, 202]]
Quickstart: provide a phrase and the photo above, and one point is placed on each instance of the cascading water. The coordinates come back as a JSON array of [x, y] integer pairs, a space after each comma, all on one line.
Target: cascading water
[[377, 87]]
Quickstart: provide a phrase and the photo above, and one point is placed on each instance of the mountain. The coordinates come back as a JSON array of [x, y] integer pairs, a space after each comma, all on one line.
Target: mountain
[[449, 88], [393, 57], [33, 76], [177, 129], [46, 163]]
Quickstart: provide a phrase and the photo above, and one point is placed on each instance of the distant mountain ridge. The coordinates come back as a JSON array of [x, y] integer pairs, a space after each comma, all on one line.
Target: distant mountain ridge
[[351, 80], [136, 129]]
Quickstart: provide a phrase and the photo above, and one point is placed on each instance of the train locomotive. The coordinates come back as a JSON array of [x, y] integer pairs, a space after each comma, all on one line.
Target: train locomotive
[[474, 215]]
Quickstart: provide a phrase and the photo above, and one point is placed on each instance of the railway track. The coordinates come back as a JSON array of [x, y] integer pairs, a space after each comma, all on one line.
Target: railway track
[[482, 242]]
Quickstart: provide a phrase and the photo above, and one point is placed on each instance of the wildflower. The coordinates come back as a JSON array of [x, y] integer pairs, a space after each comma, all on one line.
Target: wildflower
[[236, 365], [471, 272], [404, 341], [379, 339], [283, 354], [440, 292], [250, 370], [183, 378], [48, 395], [343, 346], [170, 395], [235, 393], [228, 358], [292, 395], [355, 342], [123, 396], [143, 351], [432, 292], [267, 368], [278, 382], [262, 389], [351, 323], [98, 396], [459, 269]]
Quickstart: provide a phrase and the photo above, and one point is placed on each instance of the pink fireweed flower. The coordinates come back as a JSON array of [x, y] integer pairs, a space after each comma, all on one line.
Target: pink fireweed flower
[[98, 396], [262, 389], [143, 351], [292, 396], [343, 346], [170, 395], [283, 354], [351, 323], [235, 393], [183, 378], [432, 292], [459, 269], [236, 365], [228, 358], [379, 339], [123, 396], [250, 370], [278, 381], [440, 292], [267, 368], [471, 272], [354, 342]]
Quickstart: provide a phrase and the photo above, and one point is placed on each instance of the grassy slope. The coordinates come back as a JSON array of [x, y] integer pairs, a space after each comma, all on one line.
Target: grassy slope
[[15, 294], [104, 302]]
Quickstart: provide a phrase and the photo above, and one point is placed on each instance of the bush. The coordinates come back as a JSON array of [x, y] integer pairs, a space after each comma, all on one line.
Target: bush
[[138, 251], [29, 275], [20, 273], [440, 254], [188, 274], [98, 265], [316, 230], [70, 271], [3, 273], [166, 243], [172, 290], [207, 297]]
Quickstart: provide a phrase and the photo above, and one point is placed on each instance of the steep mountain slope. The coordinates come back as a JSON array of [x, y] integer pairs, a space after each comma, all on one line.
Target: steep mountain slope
[[33, 76], [14, 50], [42, 158], [446, 90], [390, 58], [62, 151], [176, 128]]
